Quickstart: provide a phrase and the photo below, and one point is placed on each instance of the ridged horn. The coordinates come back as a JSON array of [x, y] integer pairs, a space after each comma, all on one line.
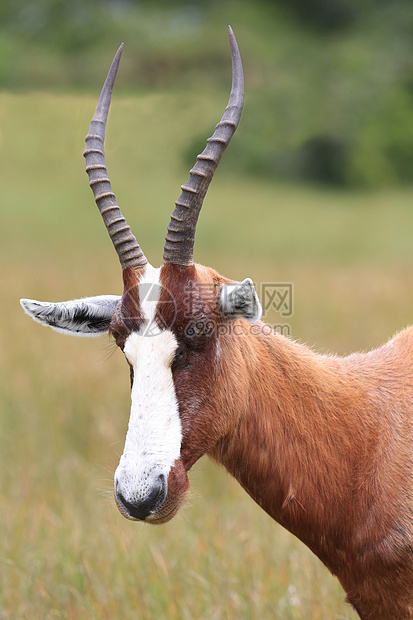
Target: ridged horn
[[179, 240], [126, 246]]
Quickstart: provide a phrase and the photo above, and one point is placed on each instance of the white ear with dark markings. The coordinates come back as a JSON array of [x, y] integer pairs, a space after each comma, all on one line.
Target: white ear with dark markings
[[90, 316], [240, 300]]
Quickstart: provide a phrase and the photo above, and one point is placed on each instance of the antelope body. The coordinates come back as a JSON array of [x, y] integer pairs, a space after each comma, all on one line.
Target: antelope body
[[323, 444]]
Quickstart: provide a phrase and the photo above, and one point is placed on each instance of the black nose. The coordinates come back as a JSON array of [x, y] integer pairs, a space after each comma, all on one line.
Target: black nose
[[142, 508]]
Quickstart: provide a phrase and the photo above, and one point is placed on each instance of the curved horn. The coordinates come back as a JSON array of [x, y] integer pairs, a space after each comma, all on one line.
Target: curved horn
[[126, 246], [179, 240]]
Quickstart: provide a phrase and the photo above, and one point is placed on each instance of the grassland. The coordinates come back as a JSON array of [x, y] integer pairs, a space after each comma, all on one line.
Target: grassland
[[65, 552]]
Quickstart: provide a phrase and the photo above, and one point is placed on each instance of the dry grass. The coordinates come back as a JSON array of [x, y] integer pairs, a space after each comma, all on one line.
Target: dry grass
[[65, 552]]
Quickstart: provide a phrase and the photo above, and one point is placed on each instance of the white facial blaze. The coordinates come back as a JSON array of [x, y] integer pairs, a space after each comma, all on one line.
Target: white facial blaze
[[153, 440]]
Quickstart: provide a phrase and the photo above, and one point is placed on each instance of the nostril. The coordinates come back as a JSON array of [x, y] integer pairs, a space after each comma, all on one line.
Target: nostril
[[141, 508]]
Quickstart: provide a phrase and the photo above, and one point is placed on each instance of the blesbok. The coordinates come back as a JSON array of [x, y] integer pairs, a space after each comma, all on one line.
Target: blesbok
[[323, 444]]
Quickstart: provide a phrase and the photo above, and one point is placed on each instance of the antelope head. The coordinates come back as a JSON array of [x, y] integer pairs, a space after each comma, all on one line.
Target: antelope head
[[165, 323]]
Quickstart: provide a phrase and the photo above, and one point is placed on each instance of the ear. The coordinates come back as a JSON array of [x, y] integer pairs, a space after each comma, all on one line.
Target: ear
[[90, 316], [240, 300]]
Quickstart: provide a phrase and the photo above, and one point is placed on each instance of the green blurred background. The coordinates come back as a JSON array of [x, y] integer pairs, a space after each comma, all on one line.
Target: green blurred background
[[330, 82], [315, 189]]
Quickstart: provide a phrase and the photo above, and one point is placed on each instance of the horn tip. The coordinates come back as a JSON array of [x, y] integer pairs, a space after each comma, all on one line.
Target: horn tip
[[118, 53], [233, 42]]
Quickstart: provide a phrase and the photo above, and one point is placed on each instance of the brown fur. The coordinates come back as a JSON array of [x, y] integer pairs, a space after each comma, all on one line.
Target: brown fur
[[323, 444]]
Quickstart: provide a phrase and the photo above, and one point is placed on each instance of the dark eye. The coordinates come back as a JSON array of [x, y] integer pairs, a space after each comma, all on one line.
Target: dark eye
[[115, 334], [179, 356]]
